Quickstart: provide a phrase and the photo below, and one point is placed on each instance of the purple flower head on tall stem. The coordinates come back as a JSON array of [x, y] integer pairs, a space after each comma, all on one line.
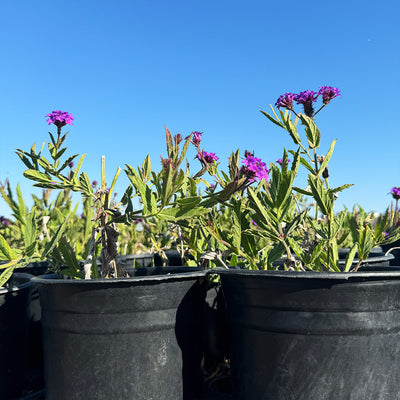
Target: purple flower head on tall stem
[[328, 93], [94, 184], [286, 101], [395, 191], [196, 139], [254, 168], [71, 164], [59, 118], [307, 98], [207, 157]]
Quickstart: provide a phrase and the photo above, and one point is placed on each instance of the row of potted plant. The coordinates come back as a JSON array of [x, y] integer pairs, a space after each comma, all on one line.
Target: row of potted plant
[[301, 318]]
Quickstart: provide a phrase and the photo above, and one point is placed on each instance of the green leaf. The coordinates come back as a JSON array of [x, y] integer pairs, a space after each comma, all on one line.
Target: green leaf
[[30, 229], [21, 203], [312, 132], [5, 276], [365, 242], [327, 158], [6, 252], [272, 119], [337, 223], [178, 213], [37, 176], [233, 165], [340, 188], [79, 165], [84, 180], [66, 163], [350, 257], [53, 242], [189, 201], [290, 127], [305, 164], [302, 191], [146, 168], [24, 159], [68, 254], [322, 196], [60, 153], [114, 181], [298, 250]]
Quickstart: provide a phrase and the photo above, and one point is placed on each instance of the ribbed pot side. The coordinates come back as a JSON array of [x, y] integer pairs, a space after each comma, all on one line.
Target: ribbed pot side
[[132, 338], [314, 336]]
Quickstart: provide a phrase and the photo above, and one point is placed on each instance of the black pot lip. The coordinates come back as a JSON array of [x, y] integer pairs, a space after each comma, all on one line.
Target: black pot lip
[[14, 288], [388, 272], [51, 279]]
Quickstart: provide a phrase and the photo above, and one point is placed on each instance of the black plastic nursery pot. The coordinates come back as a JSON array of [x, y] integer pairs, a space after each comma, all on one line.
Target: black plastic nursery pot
[[133, 338], [130, 261], [395, 253], [311, 335], [376, 258], [14, 323]]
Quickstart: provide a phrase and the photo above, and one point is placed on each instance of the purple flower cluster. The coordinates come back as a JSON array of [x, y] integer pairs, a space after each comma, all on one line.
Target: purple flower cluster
[[395, 191], [254, 168], [328, 93], [196, 139], [59, 118], [286, 101], [307, 98], [209, 158]]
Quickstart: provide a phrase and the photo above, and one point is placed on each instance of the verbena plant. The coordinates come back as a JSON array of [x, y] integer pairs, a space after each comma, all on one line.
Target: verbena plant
[[272, 211], [169, 194]]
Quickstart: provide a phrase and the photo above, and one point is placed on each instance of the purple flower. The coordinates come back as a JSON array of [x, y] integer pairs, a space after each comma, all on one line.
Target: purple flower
[[395, 191], [307, 98], [385, 234], [210, 157], [59, 118], [280, 161], [328, 93], [205, 157], [196, 139], [253, 222], [71, 164], [286, 101], [254, 168], [4, 221], [94, 184], [138, 221]]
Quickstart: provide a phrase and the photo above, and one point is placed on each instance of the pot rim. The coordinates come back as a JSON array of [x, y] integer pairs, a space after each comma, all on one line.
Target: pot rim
[[20, 286], [378, 272], [50, 280]]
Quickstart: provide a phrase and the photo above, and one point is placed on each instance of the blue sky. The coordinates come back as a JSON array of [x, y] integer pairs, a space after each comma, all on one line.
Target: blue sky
[[125, 69]]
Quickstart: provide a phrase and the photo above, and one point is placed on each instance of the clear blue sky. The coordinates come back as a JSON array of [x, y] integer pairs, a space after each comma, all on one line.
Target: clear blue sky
[[125, 69]]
